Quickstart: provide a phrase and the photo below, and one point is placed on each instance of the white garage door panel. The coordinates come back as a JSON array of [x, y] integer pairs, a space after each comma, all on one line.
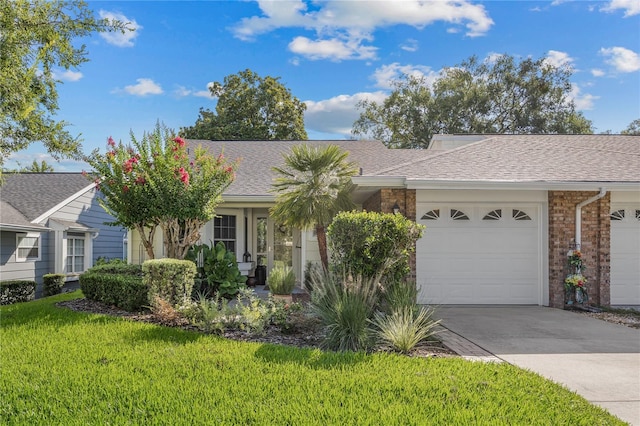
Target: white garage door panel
[[625, 256], [476, 261]]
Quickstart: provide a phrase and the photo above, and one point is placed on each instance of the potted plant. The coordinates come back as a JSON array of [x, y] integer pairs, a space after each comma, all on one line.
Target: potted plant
[[281, 281]]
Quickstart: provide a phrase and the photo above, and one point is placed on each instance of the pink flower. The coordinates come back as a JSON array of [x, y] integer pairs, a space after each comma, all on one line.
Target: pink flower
[[140, 180], [179, 141], [111, 154], [111, 142], [125, 188], [184, 176], [228, 169]]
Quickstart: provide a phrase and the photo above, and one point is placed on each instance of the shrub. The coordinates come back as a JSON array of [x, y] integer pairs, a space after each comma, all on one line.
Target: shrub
[[15, 291], [281, 280], [311, 270], [218, 267], [345, 306], [370, 242], [403, 329], [169, 279], [52, 284], [126, 291], [400, 295], [117, 268]]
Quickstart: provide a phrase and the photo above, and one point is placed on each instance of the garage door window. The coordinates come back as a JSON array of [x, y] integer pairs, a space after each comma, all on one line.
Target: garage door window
[[431, 215], [617, 215], [520, 215], [493, 215], [458, 215]]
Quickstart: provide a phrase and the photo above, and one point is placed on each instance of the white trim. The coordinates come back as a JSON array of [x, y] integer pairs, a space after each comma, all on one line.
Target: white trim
[[23, 228], [28, 235], [384, 181], [528, 186], [58, 206]]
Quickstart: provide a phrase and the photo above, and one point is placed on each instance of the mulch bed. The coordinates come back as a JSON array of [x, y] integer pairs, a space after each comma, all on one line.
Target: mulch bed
[[309, 335]]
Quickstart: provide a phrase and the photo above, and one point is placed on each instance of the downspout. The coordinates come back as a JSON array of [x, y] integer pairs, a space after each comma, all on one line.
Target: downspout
[[578, 237]]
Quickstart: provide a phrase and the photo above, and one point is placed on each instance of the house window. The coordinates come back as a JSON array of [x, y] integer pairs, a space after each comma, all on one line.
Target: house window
[[224, 229], [493, 215], [458, 215], [431, 215], [28, 247], [75, 253]]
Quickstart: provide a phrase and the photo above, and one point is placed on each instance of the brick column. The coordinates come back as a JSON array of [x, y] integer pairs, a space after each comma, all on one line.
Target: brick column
[[595, 244]]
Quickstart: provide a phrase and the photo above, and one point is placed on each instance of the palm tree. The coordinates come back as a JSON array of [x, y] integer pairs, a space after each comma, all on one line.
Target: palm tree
[[313, 186]]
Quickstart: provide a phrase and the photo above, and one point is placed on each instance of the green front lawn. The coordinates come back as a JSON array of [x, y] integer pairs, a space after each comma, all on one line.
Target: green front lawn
[[71, 368]]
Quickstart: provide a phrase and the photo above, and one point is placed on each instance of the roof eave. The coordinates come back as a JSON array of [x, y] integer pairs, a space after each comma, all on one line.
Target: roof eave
[[23, 228], [522, 185]]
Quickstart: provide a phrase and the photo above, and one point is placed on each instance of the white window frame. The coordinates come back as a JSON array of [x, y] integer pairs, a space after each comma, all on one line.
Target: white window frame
[[70, 237], [35, 235]]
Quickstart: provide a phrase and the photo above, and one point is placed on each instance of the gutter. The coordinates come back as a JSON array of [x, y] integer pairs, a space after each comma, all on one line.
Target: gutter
[[578, 237]]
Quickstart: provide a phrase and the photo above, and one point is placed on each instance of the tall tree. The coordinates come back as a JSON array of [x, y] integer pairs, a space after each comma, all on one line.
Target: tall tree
[[312, 187], [153, 183], [35, 167], [36, 39], [633, 128], [250, 108], [492, 96]]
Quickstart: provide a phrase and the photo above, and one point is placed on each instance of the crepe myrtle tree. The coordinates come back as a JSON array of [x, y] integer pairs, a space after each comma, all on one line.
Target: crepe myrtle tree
[[154, 183]]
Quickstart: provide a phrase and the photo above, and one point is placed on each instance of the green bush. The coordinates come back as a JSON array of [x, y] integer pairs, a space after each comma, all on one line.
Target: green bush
[[169, 279], [370, 242], [345, 307], [403, 329], [126, 291], [311, 270], [281, 279], [118, 268], [218, 267], [399, 295], [52, 284], [15, 291]]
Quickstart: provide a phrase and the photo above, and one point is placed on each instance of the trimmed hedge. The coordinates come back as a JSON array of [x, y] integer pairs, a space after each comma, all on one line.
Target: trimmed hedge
[[170, 279], [370, 243], [52, 284], [17, 291], [120, 285]]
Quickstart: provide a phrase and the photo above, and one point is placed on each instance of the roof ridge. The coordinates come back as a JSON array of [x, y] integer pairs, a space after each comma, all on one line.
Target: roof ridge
[[429, 157]]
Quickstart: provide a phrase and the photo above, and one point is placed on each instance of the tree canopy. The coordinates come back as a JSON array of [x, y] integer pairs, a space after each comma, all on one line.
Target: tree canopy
[[250, 107], [36, 41], [492, 96], [633, 128], [312, 187], [154, 183]]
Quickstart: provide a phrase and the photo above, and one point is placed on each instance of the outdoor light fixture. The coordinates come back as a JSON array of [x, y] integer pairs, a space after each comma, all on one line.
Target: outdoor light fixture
[[396, 208]]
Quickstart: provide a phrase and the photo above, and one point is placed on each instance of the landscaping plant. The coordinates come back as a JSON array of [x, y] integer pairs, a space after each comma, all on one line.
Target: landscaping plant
[[281, 280], [219, 268], [403, 328]]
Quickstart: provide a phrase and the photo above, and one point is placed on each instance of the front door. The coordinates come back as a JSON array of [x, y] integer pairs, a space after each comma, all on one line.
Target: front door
[[274, 243]]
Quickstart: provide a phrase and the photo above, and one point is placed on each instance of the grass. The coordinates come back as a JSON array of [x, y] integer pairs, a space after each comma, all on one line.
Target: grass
[[59, 367]]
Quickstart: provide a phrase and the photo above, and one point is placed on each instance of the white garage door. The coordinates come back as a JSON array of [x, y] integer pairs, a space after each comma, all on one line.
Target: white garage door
[[625, 254], [479, 254]]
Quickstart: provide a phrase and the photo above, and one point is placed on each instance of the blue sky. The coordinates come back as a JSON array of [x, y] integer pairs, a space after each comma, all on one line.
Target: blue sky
[[331, 55]]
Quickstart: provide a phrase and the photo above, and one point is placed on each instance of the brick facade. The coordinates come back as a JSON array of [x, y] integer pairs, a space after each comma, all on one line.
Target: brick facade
[[384, 200], [595, 245]]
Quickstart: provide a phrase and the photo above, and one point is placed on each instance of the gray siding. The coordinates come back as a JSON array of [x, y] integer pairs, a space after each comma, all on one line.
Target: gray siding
[[29, 270], [86, 210]]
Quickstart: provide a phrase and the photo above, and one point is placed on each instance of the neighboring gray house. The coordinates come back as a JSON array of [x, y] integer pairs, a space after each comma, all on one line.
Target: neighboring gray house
[[52, 223]]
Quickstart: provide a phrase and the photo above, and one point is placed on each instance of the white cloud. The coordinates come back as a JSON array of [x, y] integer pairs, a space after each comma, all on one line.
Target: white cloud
[[182, 91], [118, 38], [558, 59], [630, 7], [67, 75], [583, 101], [333, 49], [387, 74], [343, 27], [337, 114], [596, 72], [411, 45], [145, 87], [622, 59]]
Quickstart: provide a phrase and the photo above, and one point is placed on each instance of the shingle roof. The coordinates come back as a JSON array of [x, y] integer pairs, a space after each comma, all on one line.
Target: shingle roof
[[32, 194], [531, 158], [10, 216], [255, 175]]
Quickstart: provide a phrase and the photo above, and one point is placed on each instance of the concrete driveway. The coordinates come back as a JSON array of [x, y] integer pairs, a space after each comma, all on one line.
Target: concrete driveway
[[598, 360]]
